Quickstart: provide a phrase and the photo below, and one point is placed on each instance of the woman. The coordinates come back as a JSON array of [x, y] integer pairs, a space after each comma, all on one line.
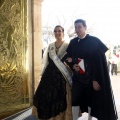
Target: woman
[[53, 97]]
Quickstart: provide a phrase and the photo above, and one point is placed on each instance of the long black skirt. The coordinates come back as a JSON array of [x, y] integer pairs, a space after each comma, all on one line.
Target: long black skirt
[[50, 96]]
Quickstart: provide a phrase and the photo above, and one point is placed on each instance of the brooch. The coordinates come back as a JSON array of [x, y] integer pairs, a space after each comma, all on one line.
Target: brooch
[[52, 48]]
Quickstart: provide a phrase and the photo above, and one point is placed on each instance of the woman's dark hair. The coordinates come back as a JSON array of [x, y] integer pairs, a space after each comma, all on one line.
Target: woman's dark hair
[[80, 21], [59, 26]]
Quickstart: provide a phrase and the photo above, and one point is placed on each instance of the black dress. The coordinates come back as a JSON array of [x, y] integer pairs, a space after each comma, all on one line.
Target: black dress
[[50, 96]]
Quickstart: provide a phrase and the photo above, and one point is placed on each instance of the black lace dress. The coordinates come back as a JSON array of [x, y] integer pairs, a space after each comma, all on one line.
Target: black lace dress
[[50, 96]]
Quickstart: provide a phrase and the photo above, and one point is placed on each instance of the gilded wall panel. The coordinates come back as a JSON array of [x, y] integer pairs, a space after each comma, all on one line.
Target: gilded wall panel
[[13, 47]]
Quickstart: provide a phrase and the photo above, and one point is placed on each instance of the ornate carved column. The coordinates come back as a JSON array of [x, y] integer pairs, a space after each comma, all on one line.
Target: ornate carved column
[[14, 95]]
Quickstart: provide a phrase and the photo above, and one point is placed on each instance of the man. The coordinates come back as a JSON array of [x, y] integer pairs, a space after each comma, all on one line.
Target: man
[[114, 64], [91, 88]]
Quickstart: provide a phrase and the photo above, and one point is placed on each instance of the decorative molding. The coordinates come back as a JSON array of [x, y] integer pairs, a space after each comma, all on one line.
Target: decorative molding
[[13, 47]]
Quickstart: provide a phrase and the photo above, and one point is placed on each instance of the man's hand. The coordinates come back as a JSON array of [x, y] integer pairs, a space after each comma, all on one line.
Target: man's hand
[[96, 85], [76, 67]]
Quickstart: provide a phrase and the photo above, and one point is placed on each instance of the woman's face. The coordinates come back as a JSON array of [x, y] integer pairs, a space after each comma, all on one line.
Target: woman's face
[[58, 32]]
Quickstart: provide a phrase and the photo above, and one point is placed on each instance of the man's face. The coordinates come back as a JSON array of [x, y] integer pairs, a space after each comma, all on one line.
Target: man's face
[[80, 29]]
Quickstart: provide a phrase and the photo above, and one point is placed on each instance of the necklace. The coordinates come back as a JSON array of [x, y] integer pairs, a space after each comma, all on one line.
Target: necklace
[[57, 47]]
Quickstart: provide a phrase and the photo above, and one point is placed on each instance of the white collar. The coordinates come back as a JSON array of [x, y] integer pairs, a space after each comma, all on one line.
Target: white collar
[[82, 37]]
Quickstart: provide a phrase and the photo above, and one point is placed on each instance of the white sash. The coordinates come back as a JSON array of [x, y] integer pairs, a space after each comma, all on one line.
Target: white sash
[[45, 60], [57, 61]]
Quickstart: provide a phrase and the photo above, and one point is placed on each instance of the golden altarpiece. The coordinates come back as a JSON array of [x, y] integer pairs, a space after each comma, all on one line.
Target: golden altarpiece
[[17, 54]]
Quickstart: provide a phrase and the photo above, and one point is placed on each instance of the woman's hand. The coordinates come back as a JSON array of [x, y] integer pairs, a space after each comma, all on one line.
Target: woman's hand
[[96, 85], [69, 59]]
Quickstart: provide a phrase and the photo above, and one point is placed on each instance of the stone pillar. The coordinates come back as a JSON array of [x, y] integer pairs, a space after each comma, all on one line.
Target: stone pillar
[[36, 45], [37, 36]]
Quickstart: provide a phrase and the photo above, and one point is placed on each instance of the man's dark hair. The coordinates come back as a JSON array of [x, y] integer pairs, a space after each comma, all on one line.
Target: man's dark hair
[[80, 21]]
